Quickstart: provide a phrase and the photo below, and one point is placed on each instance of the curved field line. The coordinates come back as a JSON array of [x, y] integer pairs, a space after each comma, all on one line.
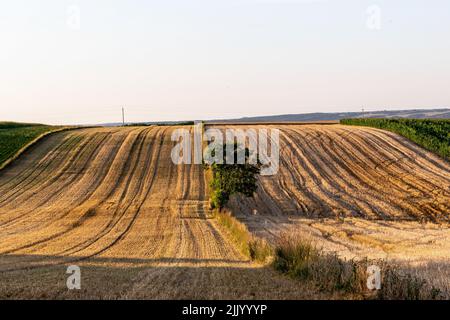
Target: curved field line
[[93, 181], [56, 235], [113, 197], [133, 196], [331, 171], [29, 145], [25, 177]]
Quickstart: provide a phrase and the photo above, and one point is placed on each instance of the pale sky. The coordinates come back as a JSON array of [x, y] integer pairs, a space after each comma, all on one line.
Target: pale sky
[[180, 59]]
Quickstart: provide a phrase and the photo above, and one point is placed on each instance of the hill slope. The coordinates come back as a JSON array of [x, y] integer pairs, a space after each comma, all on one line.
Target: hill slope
[[111, 201]]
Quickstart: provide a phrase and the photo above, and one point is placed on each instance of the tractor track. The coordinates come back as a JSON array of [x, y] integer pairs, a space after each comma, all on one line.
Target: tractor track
[[112, 198]]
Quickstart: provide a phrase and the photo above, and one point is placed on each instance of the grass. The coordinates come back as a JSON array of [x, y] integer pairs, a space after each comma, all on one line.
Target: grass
[[252, 247], [431, 134], [14, 137], [300, 259], [401, 285]]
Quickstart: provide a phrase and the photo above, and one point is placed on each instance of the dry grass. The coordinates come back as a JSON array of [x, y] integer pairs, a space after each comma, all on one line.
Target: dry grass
[[301, 259], [403, 285], [436, 274], [419, 249], [255, 248]]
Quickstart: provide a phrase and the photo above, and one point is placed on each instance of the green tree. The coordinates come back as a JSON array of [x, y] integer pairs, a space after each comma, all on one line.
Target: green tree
[[229, 179]]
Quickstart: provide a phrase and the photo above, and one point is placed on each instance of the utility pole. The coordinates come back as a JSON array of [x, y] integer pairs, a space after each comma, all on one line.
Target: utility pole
[[123, 117]]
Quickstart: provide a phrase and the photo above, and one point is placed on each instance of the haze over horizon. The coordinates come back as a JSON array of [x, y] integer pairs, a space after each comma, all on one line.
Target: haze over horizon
[[67, 62]]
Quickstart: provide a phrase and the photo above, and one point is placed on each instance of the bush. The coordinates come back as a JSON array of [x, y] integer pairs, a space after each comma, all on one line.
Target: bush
[[229, 179]]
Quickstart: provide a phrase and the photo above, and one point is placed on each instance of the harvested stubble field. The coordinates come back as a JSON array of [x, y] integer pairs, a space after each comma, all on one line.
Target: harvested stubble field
[[360, 192], [111, 201]]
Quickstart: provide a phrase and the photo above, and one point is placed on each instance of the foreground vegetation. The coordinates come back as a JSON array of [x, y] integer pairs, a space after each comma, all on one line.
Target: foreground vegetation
[[433, 135], [252, 247], [300, 259], [15, 136]]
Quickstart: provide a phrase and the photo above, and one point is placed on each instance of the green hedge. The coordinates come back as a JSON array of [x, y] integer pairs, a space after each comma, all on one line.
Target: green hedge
[[14, 136], [431, 134]]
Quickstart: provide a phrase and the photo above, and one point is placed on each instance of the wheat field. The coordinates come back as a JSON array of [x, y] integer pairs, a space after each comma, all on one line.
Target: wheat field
[[111, 201]]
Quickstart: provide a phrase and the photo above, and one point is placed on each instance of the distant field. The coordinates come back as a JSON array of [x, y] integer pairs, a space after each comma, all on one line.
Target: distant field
[[266, 123], [336, 116], [15, 136], [432, 134]]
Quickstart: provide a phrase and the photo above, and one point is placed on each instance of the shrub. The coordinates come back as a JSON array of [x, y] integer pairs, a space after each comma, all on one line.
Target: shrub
[[229, 179]]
